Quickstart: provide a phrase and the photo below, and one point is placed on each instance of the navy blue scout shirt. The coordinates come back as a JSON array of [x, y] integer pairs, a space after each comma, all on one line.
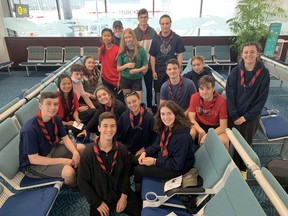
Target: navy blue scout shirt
[[136, 138], [180, 157], [33, 141], [163, 55], [247, 102]]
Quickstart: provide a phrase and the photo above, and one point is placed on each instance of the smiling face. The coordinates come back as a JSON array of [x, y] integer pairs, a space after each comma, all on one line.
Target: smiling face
[[167, 116], [133, 104], [90, 63], [107, 37], [249, 54], [173, 71], [103, 97], [66, 85], [128, 38], [49, 108], [107, 128], [206, 91]]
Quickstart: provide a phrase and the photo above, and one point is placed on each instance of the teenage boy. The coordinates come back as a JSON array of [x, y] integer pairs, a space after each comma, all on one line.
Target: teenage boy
[[86, 111], [178, 89], [118, 31], [165, 45], [104, 172], [208, 109], [144, 34], [41, 154]]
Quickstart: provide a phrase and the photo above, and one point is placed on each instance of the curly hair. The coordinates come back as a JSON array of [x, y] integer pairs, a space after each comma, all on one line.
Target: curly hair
[[181, 120]]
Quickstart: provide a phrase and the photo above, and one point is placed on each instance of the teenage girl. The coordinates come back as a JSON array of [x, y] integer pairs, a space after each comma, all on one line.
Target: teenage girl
[[107, 55], [132, 63]]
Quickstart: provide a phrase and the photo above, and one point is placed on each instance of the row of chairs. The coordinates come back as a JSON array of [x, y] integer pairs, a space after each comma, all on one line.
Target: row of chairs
[[221, 179], [213, 55], [55, 55], [46, 84], [274, 191], [6, 64]]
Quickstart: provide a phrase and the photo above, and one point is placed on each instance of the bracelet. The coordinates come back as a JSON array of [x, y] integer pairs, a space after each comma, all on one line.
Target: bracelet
[[154, 161]]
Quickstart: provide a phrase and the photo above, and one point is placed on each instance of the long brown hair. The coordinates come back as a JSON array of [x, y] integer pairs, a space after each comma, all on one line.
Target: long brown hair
[[181, 120]]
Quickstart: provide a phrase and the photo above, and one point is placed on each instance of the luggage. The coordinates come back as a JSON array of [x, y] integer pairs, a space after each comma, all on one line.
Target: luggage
[[279, 168]]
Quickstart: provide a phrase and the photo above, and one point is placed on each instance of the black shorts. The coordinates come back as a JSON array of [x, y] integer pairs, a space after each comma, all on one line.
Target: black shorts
[[162, 77], [134, 85], [206, 127]]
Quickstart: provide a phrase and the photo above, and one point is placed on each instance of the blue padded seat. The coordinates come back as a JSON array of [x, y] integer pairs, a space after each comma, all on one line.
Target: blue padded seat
[[234, 199], [275, 127], [33, 202], [207, 162]]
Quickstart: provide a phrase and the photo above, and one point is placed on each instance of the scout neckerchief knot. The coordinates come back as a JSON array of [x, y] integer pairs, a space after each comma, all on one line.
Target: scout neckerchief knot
[[165, 137], [175, 97], [252, 81], [131, 116], [102, 165], [44, 130]]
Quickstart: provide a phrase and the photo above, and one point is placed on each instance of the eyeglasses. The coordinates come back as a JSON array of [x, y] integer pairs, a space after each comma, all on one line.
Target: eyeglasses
[[130, 94], [143, 17]]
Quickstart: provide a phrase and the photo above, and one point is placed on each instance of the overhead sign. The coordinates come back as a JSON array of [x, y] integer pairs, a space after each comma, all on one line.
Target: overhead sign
[[271, 42], [21, 10]]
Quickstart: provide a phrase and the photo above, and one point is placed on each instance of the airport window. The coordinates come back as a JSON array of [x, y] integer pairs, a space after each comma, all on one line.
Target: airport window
[[82, 18]]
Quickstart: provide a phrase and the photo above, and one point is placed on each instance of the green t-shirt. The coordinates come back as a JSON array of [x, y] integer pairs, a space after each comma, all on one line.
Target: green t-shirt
[[140, 60]]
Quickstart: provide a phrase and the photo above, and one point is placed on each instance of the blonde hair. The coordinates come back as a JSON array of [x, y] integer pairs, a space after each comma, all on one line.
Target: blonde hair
[[122, 45], [200, 58]]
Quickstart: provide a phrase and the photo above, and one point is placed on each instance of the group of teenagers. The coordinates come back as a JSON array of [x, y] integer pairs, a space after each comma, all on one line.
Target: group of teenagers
[[129, 139]]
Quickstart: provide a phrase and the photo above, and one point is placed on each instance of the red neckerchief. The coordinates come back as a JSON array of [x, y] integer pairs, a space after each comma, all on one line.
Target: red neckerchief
[[68, 111], [129, 56], [210, 107], [131, 116], [242, 79], [109, 109], [92, 77], [166, 43], [165, 139], [144, 36], [44, 130], [176, 97], [102, 165]]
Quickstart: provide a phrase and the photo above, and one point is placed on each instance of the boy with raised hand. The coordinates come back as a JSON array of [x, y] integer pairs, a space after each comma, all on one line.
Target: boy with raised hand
[[104, 173], [41, 154], [177, 88]]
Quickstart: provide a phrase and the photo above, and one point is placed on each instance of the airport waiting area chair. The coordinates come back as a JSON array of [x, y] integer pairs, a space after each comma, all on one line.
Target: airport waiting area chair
[[204, 51], [210, 168], [27, 111], [90, 51], [275, 128], [266, 181], [52, 87], [6, 64], [8, 105], [54, 54], [36, 202], [234, 199], [222, 57], [188, 54], [9, 160], [70, 52]]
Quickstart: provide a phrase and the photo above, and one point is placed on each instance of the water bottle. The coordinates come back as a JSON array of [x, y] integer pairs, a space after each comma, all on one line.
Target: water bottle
[[71, 136]]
